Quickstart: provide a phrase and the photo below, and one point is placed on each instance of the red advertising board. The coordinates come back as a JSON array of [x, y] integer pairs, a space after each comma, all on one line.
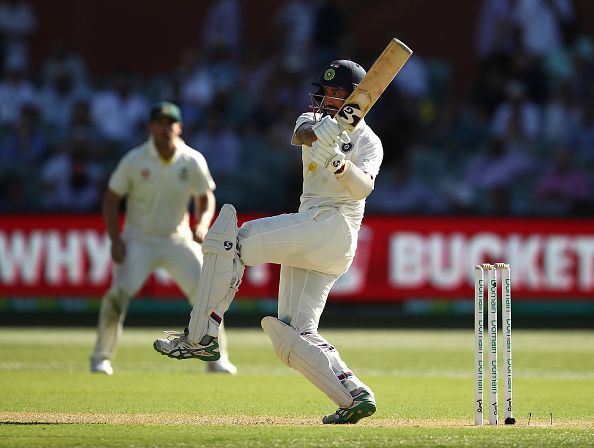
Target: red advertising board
[[397, 258]]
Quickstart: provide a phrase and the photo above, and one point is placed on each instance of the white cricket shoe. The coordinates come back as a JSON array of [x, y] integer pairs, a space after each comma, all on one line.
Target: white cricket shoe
[[101, 366], [221, 366], [180, 346]]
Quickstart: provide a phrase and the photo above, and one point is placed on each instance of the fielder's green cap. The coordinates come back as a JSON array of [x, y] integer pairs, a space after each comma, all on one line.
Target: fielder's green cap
[[165, 109]]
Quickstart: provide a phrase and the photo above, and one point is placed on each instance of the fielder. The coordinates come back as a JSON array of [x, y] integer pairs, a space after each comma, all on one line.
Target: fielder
[[158, 178], [314, 248]]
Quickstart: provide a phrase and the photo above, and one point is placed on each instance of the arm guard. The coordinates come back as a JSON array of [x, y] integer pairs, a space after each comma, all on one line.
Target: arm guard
[[357, 182]]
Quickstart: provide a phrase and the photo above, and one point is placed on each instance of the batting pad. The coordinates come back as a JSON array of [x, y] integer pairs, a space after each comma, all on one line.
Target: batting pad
[[220, 277], [307, 358]]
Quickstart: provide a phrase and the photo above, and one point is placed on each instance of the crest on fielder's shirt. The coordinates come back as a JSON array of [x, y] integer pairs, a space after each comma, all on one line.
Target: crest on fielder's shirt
[[346, 147], [145, 173], [183, 174]]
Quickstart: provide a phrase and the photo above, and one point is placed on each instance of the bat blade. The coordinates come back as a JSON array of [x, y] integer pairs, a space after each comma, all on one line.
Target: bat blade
[[371, 87]]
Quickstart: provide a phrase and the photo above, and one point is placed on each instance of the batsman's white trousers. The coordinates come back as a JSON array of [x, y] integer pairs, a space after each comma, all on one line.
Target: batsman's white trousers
[[179, 256], [313, 248], [317, 239]]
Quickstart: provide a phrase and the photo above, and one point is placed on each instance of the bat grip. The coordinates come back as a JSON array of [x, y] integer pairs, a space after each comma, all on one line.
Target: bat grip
[[343, 138]]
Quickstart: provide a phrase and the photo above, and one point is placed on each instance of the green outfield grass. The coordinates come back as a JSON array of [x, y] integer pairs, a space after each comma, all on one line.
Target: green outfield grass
[[422, 381]]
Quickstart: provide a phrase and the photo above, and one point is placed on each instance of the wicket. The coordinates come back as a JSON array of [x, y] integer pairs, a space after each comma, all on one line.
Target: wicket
[[479, 311]]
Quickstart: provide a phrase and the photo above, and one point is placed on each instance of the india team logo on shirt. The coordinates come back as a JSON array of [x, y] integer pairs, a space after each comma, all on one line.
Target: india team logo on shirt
[[145, 173], [346, 147]]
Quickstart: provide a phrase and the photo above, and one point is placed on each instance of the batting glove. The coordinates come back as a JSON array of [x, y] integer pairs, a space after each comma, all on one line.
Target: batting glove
[[328, 156], [328, 131]]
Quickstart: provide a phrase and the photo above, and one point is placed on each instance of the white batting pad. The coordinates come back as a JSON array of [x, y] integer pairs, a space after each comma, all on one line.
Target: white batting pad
[[221, 274], [112, 313], [309, 359]]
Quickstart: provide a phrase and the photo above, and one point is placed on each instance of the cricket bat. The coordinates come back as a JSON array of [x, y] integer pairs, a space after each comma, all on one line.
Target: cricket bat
[[373, 84]]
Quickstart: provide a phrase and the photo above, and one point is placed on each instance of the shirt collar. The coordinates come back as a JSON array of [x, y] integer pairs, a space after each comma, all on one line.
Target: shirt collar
[[153, 149]]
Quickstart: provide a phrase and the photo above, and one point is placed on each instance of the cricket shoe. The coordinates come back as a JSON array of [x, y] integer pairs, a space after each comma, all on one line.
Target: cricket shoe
[[221, 366], [363, 406], [101, 366], [179, 346]]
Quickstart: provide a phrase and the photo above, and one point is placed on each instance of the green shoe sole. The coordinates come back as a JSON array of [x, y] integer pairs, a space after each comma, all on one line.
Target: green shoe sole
[[363, 410], [352, 416]]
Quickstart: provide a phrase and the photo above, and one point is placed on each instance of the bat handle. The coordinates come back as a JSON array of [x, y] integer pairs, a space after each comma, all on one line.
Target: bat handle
[[344, 138]]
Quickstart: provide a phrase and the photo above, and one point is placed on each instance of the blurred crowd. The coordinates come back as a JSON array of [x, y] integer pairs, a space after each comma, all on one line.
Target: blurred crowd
[[520, 141]]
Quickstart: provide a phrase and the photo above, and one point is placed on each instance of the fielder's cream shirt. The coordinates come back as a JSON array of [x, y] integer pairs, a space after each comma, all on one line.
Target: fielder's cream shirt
[[159, 191]]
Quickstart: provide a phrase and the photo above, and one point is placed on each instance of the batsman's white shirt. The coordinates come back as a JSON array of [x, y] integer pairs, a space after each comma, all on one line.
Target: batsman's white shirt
[[156, 230], [322, 237], [320, 187]]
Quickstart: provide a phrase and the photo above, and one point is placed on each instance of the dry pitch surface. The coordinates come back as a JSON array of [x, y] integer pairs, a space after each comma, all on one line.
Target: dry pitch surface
[[34, 418]]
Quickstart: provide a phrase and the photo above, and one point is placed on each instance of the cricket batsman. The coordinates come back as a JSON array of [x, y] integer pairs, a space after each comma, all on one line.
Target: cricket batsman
[[314, 248]]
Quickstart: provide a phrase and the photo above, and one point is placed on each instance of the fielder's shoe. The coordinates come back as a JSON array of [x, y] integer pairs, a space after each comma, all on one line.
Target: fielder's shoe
[[363, 406], [101, 366], [179, 346], [221, 366]]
